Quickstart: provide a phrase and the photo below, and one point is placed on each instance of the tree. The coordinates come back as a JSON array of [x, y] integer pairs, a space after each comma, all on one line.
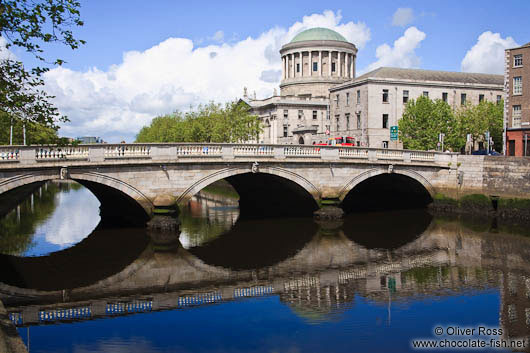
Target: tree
[[28, 24], [422, 122], [208, 123], [475, 120], [35, 133]]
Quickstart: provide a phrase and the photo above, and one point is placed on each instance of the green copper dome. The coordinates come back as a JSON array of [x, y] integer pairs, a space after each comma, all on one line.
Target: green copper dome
[[318, 34]]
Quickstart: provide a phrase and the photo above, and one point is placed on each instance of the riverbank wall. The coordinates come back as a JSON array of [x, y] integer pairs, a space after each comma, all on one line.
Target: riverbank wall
[[10, 341]]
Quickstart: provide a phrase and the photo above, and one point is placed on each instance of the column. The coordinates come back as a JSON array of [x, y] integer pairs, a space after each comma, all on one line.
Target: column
[[320, 63], [283, 67], [301, 65], [292, 65], [338, 59], [310, 62], [352, 66], [329, 62]]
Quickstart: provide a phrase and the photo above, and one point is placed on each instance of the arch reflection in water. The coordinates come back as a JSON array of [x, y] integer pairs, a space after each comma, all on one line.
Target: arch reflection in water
[[54, 216]]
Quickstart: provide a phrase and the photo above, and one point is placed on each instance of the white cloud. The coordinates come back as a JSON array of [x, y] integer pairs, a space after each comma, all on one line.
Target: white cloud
[[175, 74], [4, 52], [219, 36], [402, 54], [487, 56], [402, 17]]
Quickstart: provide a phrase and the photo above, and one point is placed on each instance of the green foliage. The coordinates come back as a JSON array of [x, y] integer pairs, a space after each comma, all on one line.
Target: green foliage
[[511, 204], [27, 24], [475, 200], [209, 123], [423, 120], [35, 133], [441, 198], [477, 119]]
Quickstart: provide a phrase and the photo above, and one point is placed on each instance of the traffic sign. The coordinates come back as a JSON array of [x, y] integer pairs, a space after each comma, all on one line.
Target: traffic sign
[[393, 133]]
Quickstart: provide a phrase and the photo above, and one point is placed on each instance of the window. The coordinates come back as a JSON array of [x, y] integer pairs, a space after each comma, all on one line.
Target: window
[[297, 67], [444, 96], [426, 94], [516, 116], [347, 98], [285, 114], [315, 66], [385, 96], [480, 98], [285, 131], [518, 85], [499, 98], [463, 99], [337, 117], [332, 67], [337, 99], [518, 60], [385, 144], [300, 114], [314, 115], [359, 121], [358, 96], [385, 121], [347, 121], [405, 96]]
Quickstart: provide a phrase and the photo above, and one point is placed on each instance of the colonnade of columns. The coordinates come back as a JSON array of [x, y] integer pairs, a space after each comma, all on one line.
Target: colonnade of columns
[[290, 60]]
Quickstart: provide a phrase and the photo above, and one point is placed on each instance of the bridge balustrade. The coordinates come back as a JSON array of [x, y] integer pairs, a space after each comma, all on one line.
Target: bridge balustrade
[[199, 298], [54, 153], [135, 306], [127, 151], [9, 153], [162, 152], [253, 291]]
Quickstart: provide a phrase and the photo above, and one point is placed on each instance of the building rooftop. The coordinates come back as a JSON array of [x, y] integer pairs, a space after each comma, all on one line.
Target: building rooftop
[[432, 75], [318, 33]]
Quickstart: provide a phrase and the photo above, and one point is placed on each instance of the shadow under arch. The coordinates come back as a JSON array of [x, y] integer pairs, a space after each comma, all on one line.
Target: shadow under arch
[[100, 255], [267, 192], [388, 230], [379, 189], [120, 202], [255, 244]]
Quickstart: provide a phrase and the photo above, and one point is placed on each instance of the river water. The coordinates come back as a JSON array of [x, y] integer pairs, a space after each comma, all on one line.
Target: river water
[[372, 282]]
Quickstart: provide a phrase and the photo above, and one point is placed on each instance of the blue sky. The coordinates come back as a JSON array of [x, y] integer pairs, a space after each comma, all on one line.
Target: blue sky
[[143, 59]]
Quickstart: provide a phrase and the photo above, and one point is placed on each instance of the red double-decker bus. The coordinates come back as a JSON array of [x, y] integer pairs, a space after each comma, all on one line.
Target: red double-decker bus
[[341, 141]]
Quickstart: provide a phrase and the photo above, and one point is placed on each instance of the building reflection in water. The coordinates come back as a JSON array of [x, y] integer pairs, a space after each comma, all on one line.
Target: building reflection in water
[[320, 271]]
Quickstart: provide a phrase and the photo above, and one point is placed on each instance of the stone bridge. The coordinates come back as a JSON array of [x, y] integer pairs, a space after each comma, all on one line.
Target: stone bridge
[[134, 179]]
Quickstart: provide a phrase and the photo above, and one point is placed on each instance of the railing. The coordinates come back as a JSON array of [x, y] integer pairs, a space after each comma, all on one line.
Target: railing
[[53, 153], [64, 314], [167, 152], [9, 154], [389, 154], [349, 152], [250, 150], [301, 151], [422, 156], [127, 151]]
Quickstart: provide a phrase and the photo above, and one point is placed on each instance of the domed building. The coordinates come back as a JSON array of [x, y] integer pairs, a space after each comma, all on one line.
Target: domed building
[[312, 62], [321, 98], [315, 60]]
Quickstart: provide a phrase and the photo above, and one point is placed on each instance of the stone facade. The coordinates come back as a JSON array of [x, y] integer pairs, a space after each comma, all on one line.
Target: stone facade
[[375, 101], [323, 99], [517, 103]]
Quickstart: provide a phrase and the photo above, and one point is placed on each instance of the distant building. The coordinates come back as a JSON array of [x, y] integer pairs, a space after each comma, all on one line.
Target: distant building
[[320, 97], [517, 103], [89, 139], [368, 106]]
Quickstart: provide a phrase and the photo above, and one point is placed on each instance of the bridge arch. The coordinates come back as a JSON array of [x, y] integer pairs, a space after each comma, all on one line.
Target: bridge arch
[[258, 186], [402, 187], [114, 195]]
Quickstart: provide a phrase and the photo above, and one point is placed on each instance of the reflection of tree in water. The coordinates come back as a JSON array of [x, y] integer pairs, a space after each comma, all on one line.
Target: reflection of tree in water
[[206, 217], [18, 227]]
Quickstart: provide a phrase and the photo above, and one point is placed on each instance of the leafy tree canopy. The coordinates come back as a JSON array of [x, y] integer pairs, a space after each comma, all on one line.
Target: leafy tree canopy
[[29, 24], [208, 123], [423, 120]]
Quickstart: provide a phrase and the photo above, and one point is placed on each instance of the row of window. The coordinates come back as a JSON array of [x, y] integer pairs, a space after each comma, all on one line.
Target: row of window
[[315, 67], [445, 96], [347, 115]]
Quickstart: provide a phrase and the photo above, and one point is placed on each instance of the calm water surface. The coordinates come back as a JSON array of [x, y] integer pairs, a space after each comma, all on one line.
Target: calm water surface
[[373, 282]]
